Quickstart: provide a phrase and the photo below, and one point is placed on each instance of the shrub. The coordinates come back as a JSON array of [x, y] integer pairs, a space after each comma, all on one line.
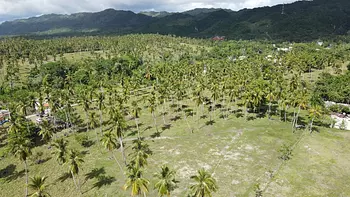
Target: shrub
[[286, 152]]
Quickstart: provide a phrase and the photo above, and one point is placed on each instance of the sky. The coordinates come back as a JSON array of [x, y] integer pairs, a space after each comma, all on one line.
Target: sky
[[14, 9]]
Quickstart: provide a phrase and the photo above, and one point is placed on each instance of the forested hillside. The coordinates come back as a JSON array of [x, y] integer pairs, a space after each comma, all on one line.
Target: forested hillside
[[299, 21]]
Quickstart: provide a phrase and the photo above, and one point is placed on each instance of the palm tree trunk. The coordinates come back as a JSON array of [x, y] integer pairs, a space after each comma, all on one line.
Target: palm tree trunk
[[87, 124], [164, 113], [155, 121], [312, 121], [26, 172], [285, 113], [293, 119], [101, 119], [137, 126], [223, 110], [122, 149], [66, 122], [296, 118], [79, 186], [75, 183], [189, 127], [115, 158]]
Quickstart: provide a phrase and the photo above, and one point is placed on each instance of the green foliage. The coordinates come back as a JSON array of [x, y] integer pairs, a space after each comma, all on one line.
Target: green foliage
[[286, 152], [340, 109], [342, 125], [204, 184], [334, 88], [258, 191], [39, 186]]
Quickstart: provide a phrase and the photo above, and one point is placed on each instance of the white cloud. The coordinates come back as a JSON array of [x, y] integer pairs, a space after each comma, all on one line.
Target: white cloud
[[10, 9]]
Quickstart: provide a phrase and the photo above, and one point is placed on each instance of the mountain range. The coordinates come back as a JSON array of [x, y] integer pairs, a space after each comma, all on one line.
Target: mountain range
[[298, 21]]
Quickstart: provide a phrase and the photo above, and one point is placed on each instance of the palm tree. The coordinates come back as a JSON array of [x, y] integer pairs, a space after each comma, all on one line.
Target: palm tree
[[101, 106], [135, 180], [166, 181], [38, 184], [60, 150], [93, 123], [204, 184], [74, 161], [136, 110], [152, 107], [119, 124], [20, 146], [110, 143], [46, 131], [314, 112], [141, 153], [271, 98]]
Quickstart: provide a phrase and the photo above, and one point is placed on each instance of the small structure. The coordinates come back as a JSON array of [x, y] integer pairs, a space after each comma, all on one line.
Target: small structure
[[319, 43], [218, 38], [4, 116], [341, 121]]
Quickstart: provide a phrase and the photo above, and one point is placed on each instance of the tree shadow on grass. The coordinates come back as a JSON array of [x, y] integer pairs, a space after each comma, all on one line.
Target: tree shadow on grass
[[95, 173], [133, 133], [251, 118], [173, 106], [84, 153], [15, 176], [64, 177], [88, 144], [166, 127], [103, 181], [239, 115], [203, 117], [41, 161], [147, 128], [210, 122], [176, 118], [156, 134], [8, 171]]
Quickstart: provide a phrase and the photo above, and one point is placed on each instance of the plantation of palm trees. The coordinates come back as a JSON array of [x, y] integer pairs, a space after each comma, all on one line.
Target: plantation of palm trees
[[152, 115]]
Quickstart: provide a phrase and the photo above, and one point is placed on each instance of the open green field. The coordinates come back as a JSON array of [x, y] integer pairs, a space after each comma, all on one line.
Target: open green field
[[238, 152]]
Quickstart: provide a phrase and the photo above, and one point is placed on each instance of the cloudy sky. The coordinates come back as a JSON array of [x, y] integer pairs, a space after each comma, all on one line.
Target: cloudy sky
[[12, 9]]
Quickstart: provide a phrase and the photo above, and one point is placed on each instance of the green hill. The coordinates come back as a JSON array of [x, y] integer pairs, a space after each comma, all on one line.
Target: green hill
[[302, 20]]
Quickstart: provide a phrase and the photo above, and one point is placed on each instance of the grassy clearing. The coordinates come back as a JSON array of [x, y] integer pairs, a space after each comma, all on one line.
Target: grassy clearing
[[238, 152]]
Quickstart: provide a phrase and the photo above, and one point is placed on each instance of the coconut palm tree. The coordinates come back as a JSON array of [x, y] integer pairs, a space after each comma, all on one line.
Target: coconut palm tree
[[74, 162], [166, 181], [20, 145], [204, 184], [46, 131], [38, 185], [141, 153], [60, 150], [93, 123], [152, 107], [110, 143], [136, 111], [101, 106], [136, 182], [314, 112], [119, 124]]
